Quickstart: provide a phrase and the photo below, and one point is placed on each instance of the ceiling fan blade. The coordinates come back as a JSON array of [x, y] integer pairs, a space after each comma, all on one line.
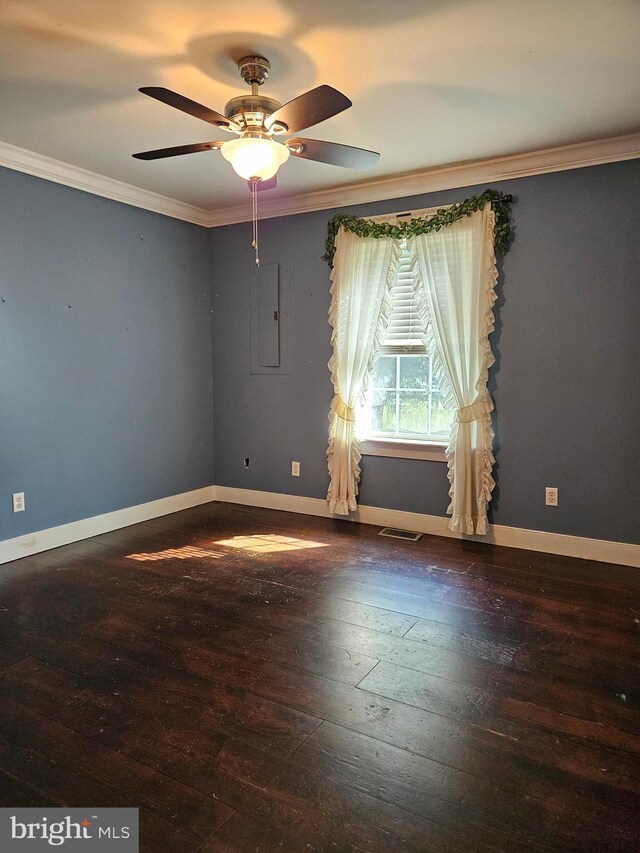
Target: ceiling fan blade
[[177, 150], [333, 153], [270, 184], [173, 99], [309, 109]]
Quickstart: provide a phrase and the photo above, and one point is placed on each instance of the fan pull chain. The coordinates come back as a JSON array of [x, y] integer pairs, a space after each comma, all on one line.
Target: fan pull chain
[[254, 216]]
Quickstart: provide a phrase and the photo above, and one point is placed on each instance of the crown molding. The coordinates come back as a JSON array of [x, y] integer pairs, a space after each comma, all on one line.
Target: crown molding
[[21, 160], [467, 174]]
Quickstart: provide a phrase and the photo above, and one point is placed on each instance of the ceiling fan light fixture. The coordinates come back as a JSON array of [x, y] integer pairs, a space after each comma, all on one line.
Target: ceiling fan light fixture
[[255, 156]]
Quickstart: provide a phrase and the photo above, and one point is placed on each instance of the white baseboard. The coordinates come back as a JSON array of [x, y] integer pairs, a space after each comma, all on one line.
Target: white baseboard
[[621, 553], [54, 537]]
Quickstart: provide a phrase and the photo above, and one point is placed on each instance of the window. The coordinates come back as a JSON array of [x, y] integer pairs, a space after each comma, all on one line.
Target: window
[[404, 412], [455, 259]]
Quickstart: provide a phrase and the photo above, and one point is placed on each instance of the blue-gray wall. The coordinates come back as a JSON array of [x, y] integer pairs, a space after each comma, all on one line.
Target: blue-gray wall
[[105, 355], [106, 362], [566, 383]]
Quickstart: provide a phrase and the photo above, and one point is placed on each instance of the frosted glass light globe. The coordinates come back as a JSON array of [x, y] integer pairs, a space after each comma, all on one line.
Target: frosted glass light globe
[[255, 157]]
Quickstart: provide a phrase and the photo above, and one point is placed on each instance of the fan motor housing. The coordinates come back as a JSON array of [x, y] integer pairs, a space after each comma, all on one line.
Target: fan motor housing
[[250, 110]]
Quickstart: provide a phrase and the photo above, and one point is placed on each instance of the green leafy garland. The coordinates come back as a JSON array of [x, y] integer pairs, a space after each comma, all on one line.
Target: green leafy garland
[[412, 227]]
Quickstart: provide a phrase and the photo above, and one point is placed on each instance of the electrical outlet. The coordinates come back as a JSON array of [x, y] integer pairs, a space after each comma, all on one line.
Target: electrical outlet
[[551, 496], [18, 502], [295, 469]]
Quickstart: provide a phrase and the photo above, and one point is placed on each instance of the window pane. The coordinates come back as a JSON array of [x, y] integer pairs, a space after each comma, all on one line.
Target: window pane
[[403, 412], [383, 411], [384, 372], [414, 371], [414, 411], [441, 418]]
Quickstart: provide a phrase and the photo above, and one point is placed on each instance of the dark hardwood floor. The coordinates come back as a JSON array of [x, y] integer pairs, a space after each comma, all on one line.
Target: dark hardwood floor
[[255, 680]]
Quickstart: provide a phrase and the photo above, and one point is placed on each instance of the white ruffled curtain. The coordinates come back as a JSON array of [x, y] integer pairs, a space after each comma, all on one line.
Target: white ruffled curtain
[[457, 266], [455, 275], [363, 273]]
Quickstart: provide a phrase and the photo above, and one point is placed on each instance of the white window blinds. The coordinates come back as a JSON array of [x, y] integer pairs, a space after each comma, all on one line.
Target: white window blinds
[[405, 332]]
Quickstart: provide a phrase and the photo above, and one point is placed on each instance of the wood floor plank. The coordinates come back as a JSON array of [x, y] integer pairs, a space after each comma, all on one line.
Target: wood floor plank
[[544, 582], [68, 769], [408, 726], [552, 705], [235, 594], [584, 701], [540, 609], [610, 668], [445, 663], [384, 718], [466, 640], [326, 809], [244, 647], [281, 802], [473, 806], [110, 688], [188, 754], [245, 832], [556, 569], [426, 691], [18, 793], [234, 641], [361, 694]]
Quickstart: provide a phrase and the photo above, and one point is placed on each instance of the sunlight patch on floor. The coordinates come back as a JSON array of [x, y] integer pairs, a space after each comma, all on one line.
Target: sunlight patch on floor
[[269, 543], [185, 553]]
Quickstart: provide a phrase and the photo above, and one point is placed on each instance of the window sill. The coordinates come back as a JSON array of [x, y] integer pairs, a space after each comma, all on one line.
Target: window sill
[[433, 451]]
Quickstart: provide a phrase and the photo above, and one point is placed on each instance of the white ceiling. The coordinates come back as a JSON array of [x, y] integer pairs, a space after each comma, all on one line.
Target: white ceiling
[[432, 81]]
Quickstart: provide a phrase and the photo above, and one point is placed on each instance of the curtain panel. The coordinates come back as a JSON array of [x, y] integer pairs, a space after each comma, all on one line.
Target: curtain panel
[[457, 266], [362, 277], [455, 276]]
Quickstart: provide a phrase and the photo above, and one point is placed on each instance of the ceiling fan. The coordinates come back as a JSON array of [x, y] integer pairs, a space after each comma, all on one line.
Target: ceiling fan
[[264, 129]]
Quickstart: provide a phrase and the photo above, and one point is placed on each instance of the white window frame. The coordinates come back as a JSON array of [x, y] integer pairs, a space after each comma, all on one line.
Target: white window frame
[[406, 446], [432, 451], [410, 447]]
